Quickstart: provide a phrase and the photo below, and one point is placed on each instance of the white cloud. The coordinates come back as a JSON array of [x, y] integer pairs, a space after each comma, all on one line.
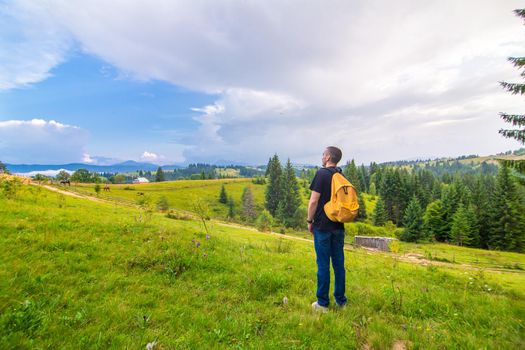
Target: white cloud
[[383, 80], [51, 173], [86, 158], [31, 44], [151, 157], [41, 141]]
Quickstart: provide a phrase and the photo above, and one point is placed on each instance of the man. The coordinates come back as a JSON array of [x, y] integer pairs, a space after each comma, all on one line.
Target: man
[[328, 235]]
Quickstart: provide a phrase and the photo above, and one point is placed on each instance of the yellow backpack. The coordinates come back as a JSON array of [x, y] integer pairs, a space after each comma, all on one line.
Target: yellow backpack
[[343, 205]]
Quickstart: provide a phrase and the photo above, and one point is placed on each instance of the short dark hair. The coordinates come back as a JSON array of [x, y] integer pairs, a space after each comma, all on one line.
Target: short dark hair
[[335, 154]]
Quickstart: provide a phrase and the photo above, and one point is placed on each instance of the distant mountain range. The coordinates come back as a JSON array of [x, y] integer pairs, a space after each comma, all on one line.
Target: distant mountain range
[[131, 165], [127, 166], [122, 167]]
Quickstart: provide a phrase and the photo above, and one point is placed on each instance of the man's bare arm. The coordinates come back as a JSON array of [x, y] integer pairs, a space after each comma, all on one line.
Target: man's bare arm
[[312, 205]]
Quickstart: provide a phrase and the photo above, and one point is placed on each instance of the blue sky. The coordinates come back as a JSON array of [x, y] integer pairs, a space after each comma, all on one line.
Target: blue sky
[[124, 117], [180, 82]]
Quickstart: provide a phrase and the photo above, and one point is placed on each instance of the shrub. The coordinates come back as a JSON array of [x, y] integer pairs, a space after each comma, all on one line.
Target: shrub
[[162, 203], [10, 187], [264, 221], [177, 216]]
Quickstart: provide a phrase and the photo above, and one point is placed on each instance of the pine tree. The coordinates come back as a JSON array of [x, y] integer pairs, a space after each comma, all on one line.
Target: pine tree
[[450, 202], [413, 221], [364, 178], [290, 196], [380, 216], [351, 173], [361, 213], [507, 214], [249, 212], [473, 221], [394, 193], [231, 208], [464, 227], [159, 176], [223, 196], [482, 190], [516, 120], [434, 223], [267, 172], [373, 190], [273, 190]]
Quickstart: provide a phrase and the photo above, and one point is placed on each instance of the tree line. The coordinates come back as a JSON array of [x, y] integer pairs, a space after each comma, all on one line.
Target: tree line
[[476, 210]]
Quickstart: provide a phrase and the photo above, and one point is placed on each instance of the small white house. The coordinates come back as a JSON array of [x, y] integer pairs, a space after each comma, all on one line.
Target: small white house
[[140, 180]]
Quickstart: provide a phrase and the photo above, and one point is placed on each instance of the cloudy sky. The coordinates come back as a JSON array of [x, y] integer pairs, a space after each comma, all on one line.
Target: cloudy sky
[[170, 81]]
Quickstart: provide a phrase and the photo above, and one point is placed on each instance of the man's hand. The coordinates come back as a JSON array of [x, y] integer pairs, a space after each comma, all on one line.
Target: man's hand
[[312, 206]]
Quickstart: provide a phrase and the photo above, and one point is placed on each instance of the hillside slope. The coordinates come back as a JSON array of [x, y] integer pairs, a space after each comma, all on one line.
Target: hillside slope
[[79, 274]]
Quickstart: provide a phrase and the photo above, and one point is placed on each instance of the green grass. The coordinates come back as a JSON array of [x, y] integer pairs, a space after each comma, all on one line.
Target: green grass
[[181, 194], [79, 274]]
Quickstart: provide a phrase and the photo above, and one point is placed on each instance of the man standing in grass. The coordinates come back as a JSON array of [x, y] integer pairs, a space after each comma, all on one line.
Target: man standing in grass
[[328, 235]]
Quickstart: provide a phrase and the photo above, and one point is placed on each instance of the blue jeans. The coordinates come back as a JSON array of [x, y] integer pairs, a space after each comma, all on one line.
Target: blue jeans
[[330, 244]]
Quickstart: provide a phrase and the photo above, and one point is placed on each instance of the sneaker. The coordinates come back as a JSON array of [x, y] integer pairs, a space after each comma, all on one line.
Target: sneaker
[[340, 306], [318, 308]]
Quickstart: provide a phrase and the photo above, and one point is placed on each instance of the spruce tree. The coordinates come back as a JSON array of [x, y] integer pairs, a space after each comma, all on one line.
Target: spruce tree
[[249, 212], [413, 221], [159, 176], [373, 190], [380, 216], [393, 191], [364, 178], [516, 120], [434, 223], [472, 218], [361, 213], [450, 202], [223, 196], [231, 208], [268, 166], [351, 173], [273, 190], [507, 214], [482, 190], [290, 196], [464, 227]]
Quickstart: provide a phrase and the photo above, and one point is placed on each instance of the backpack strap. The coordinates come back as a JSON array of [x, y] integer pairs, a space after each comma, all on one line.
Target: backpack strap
[[333, 170]]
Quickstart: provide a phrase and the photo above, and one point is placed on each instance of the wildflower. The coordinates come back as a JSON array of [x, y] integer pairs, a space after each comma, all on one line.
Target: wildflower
[[198, 244], [207, 236], [205, 255], [285, 301], [151, 346], [193, 240]]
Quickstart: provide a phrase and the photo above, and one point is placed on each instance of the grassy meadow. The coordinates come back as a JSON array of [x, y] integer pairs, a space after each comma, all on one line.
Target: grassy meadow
[[78, 274], [181, 194]]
